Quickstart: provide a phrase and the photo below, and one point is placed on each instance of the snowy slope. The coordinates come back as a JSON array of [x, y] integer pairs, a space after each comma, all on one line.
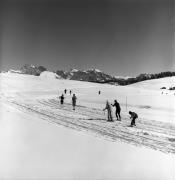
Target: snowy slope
[[146, 98], [40, 139], [157, 84]]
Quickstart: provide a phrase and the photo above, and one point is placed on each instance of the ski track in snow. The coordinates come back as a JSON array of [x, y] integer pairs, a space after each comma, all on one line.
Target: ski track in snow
[[152, 134]]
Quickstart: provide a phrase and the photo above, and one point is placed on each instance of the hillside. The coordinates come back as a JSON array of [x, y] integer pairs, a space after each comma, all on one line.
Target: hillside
[[162, 84], [39, 136], [144, 97]]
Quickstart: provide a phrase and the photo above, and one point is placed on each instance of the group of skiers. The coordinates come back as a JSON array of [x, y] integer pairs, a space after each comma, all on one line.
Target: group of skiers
[[65, 91], [133, 115], [109, 110], [74, 98]]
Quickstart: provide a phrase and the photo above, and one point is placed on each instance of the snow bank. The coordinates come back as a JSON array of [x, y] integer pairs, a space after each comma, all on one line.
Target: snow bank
[[49, 75]]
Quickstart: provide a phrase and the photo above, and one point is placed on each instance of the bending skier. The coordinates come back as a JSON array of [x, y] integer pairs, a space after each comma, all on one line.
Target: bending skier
[[133, 117]]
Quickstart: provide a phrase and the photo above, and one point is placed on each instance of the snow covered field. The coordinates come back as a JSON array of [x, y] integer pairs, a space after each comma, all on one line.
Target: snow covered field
[[40, 139]]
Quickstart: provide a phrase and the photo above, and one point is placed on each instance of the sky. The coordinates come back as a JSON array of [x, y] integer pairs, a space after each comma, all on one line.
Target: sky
[[119, 37]]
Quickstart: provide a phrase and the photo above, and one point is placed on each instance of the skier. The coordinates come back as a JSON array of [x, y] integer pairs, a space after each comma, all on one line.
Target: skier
[[65, 91], [133, 117], [99, 92], [109, 110], [118, 109], [70, 92], [74, 99], [62, 99]]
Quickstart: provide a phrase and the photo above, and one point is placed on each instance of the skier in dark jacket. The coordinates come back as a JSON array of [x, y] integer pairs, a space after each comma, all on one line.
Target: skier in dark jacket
[[65, 91], [62, 99], [118, 109], [74, 99], [133, 117]]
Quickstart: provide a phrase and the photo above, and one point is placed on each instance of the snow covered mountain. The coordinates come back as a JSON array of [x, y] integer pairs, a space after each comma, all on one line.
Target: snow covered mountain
[[91, 75], [32, 70]]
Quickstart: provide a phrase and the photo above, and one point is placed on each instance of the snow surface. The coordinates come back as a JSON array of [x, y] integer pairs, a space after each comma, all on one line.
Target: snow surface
[[36, 146]]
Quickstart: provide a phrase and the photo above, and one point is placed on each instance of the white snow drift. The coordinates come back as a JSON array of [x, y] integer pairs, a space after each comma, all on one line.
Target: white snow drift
[[49, 75]]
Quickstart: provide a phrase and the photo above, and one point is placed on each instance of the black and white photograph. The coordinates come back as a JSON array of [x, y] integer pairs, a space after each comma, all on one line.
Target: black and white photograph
[[87, 89]]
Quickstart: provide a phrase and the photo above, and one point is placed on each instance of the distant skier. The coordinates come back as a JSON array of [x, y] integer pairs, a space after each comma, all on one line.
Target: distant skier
[[133, 117], [70, 92], [65, 91], [74, 99], [118, 109], [62, 99], [109, 111], [99, 92]]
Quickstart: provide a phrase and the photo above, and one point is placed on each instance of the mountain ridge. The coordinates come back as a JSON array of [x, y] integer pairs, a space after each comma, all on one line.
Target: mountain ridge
[[92, 75]]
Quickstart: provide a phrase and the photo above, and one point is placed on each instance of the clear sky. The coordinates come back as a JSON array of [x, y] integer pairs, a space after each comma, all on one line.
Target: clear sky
[[120, 37]]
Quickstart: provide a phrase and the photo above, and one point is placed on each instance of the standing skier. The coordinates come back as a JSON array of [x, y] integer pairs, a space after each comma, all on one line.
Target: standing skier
[[133, 117], [74, 99], [118, 109], [70, 92], [62, 99], [65, 91], [109, 111]]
